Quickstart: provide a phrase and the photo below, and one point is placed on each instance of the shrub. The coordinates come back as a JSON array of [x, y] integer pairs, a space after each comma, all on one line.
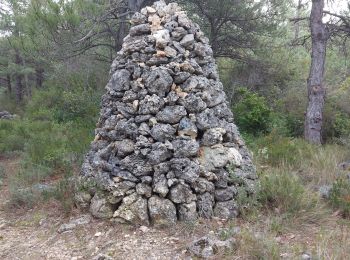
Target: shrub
[[276, 150], [284, 193], [340, 196], [252, 113], [13, 135]]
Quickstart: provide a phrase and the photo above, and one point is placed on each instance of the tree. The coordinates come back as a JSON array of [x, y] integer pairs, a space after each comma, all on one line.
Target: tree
[[320, 34], [316, 89]]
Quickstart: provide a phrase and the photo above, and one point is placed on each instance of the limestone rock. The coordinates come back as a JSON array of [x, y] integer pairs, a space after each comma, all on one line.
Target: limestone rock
[[133, 210], [165, 141], [226, 210], [100, 208], [162, 211]]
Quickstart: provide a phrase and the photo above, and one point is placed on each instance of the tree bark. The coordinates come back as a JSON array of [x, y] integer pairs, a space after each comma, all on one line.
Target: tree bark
[[316, 89], [19, 77], [9, 86], [39, 77], [297, 23]]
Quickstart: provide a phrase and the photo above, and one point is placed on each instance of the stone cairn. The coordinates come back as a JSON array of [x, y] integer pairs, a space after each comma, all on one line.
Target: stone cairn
[[166, 147]]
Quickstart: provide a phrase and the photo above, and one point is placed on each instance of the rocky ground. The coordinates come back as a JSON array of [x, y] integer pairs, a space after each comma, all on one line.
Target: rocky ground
[[47, 233]]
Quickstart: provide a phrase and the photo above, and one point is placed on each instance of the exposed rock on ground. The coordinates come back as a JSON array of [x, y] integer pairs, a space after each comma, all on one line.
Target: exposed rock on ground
[[6, 115], [166, 147]]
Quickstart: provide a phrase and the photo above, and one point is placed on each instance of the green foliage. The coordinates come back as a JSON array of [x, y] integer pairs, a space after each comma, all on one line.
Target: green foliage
[[13, 135], [283, 192], [340, 196], [276, 150], [252, 113]]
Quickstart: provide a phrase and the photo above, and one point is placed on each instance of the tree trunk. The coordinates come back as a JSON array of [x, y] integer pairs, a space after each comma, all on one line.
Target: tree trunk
[[39, 77], [122, 30], [19, 77], [297, 23], [316, 90], [9, 86]]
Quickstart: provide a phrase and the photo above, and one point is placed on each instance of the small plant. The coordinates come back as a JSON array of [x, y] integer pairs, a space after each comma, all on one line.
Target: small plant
[[283, 193], [340, 196]]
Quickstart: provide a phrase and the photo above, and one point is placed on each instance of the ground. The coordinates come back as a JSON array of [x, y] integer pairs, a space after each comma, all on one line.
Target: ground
[[32, 234]]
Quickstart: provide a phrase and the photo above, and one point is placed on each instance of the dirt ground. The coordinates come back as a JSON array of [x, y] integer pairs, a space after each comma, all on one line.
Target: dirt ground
[[32, 234]]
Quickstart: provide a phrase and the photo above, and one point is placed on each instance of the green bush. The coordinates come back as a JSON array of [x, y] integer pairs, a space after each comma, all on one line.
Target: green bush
[[13, 135], [61, 106], [340, 196], [276, 150], [283, 192], [252, 113]]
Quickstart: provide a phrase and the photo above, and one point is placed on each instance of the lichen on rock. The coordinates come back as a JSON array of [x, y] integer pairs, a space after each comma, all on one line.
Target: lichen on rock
[[166, 147]]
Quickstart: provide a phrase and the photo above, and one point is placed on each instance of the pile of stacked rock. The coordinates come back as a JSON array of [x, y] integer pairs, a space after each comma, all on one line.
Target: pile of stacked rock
[[6, 115], [166, 147]]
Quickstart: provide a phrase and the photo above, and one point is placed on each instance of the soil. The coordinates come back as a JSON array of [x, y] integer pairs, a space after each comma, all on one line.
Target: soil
[[32, 234]]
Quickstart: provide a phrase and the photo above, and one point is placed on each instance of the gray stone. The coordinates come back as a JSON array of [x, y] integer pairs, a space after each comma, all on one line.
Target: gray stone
[[162, 211], [210, 245], [181, 193], [162, 38], [144, 129], [133, 210], [226, 210], [222, 179], [188, 212], [213, 136], [184, 148], [144, 189], [170, 26], [125, 147], [137, 165], [178, 33], [121, 188], [159, 82], [160, 185], [138, 18], [213, 95], [117, 173], [205, 204], [187, 128], [163, 132], [325, 191], [193, 103], [150, 105], [185, 169], [140, 29], [171, 114], [159, 153], [202, 185], [120, 81], [181, 77], [74, 223], [207, 120], [187, 41], [100, 208], [219, 156], [82, 199], [225, 194]]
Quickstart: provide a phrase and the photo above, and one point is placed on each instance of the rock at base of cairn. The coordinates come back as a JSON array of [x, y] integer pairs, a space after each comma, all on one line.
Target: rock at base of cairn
[[166, 147]]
